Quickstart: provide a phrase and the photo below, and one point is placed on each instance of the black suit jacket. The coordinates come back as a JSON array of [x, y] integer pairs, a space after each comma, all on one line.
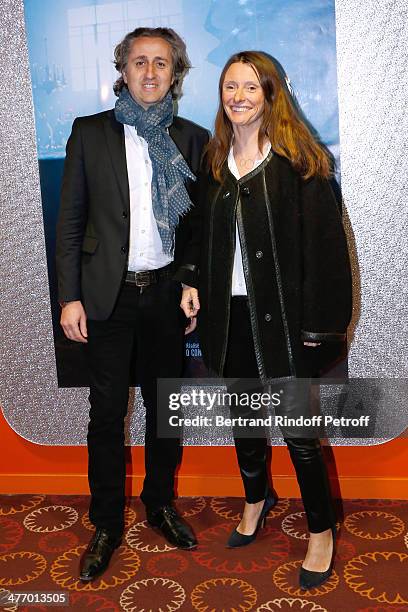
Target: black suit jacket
[[94, 219]]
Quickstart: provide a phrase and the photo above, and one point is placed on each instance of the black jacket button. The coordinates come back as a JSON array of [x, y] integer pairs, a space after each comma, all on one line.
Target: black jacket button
[[259, 254], [268, 317], [226, 195], [245, 190], [124, 214], [123, 249]]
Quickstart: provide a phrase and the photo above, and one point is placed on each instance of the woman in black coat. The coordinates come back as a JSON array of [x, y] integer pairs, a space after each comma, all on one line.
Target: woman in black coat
[[268, 272]]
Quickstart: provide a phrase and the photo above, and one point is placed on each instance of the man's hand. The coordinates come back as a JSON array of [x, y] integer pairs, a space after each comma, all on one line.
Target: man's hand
[[313, 344], [190, 305], [73, 321]]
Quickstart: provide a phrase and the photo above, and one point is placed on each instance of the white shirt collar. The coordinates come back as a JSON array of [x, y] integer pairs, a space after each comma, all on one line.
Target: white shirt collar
[[232, 164]]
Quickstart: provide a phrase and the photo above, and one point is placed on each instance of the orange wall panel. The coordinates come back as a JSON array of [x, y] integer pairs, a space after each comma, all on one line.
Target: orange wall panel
[[369, 471]]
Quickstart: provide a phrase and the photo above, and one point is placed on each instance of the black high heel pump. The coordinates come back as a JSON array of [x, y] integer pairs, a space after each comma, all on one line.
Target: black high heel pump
[[310, 580], [239, 539]]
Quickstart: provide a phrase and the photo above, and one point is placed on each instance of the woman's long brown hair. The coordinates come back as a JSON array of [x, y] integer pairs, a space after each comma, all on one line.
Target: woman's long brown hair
[[281, 124]]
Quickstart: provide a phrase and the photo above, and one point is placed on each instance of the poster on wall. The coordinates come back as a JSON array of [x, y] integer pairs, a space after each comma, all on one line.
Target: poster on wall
[[71, 46]]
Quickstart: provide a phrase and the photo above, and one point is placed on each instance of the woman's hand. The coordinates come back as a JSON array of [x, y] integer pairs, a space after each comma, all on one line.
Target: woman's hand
[[191, 326], [190, 305]]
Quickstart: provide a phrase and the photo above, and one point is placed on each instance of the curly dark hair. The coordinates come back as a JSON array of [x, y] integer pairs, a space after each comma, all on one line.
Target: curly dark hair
[[181, 62]]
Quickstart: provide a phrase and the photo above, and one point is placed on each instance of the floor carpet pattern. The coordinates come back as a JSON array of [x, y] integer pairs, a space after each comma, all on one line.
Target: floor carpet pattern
[[43, 536]]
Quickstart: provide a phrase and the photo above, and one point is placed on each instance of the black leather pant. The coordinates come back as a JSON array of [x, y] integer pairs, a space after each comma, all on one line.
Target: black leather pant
[[306, 453]]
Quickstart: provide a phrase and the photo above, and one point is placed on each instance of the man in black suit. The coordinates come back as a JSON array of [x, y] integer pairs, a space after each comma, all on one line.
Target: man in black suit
[[128, 182]]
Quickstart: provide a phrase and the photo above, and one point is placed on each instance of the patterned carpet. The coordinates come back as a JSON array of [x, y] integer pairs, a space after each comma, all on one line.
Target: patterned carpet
[[42, 538]]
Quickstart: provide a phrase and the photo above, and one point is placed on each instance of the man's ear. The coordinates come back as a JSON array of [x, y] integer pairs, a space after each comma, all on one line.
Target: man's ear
[[124, 77]]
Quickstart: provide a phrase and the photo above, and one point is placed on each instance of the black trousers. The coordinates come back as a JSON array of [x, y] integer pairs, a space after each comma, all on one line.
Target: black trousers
[[151, 323], [306, 454]]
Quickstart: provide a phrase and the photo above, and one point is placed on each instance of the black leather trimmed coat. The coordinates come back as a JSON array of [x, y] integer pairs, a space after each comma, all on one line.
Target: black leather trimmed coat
[[295, 262]]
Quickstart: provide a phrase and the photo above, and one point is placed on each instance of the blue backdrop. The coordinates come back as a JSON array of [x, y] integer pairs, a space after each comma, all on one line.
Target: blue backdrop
[[71, 46]]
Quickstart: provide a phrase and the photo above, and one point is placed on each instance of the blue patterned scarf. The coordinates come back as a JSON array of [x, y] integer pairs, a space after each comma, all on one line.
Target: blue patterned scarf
[[169, 195]]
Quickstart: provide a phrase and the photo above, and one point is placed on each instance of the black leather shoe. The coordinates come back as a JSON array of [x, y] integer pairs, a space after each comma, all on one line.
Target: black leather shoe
[[96, 558], [237, 539], [172, 526], [310, 580]]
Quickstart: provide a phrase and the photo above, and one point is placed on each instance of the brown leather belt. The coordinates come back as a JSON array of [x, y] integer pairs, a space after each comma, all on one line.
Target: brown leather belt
[[148, 277]]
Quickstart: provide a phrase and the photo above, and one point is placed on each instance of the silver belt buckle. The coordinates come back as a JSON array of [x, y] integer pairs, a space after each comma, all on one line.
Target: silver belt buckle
[[144, 279]]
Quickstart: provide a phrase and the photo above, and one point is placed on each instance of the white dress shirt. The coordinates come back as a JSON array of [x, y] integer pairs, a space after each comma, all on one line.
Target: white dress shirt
[[145, 245], [238, 278]]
